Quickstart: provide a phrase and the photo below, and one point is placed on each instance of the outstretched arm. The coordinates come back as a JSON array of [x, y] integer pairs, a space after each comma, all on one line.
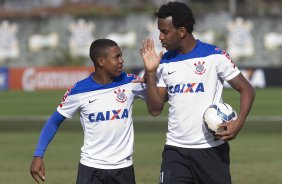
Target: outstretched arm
[[37, 169], [247, 96], [156, 96]]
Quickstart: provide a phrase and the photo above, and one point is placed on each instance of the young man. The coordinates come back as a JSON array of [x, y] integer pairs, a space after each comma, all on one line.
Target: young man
[[190, 76], [104, 102]]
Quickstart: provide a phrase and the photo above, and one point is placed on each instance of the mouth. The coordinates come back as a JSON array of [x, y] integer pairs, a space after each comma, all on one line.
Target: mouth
[[164, 45], [119, 69]]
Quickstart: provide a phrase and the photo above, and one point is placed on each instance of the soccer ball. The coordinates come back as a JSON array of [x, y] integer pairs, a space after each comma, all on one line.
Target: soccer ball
[[217, 114]]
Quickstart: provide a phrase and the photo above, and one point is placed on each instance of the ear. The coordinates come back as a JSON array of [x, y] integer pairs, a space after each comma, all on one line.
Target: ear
[[182, 32], [100, 62]]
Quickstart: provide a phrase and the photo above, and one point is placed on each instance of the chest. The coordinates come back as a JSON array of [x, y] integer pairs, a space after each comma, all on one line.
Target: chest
[[192, 76], [192, 71], [109, 101]]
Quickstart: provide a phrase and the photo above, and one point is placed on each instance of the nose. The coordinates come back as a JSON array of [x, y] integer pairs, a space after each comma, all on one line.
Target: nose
[[121, 60], [161, 36]]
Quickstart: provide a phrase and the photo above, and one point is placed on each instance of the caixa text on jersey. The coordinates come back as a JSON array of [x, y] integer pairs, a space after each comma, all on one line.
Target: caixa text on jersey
[[187, 88], [108, 115]]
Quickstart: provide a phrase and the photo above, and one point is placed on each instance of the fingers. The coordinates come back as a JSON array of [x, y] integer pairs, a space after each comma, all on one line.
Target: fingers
[[147, 45], [142, 52], [225, 134], [37, 176], [34, 175], [150, 58], [37, 169], [141, 80], [150, 44]]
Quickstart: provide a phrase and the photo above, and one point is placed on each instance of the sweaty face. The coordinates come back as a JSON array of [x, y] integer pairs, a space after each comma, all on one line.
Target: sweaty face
[[168, 34], [113, 62]]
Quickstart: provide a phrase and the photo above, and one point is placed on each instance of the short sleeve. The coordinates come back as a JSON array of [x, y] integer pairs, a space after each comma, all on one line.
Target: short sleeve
[[159, 75], [139, 90], [69, 105], [226, 68]]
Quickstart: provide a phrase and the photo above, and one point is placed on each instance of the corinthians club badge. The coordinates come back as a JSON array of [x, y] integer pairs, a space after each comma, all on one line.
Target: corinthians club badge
[[200, 68], [120, 95]]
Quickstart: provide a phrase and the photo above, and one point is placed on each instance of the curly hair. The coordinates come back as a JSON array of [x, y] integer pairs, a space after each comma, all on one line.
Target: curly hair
[[181, 14]]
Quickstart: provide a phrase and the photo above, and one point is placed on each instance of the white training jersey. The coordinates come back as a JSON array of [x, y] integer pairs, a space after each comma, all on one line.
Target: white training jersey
[[106, 116], [194, 81]]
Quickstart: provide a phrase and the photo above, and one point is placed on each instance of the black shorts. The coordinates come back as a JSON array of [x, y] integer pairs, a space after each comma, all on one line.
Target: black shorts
[[195, 166], [90, 175]]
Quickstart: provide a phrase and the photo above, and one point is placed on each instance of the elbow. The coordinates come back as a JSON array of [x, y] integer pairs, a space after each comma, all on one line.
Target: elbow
[[253, 93], [154, 107], [154, 113]]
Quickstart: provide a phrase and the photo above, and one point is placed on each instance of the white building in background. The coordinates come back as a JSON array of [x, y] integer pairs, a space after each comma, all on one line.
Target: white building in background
[[81, 38], [9, 46], [240, 42], [273, 40], [38, 41], [127, 39], [207, 36]]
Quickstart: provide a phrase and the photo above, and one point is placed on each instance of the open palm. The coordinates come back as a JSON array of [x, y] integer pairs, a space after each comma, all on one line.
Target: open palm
[[150, 58]]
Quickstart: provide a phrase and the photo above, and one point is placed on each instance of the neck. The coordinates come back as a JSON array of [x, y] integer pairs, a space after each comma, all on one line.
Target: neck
[[101, 78], [188, 44]]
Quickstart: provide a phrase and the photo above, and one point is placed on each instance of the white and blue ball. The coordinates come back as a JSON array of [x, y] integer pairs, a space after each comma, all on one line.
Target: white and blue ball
[[217, 114]]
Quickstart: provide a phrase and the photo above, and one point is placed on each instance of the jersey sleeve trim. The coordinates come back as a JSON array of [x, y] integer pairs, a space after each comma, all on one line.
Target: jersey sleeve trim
[[231, 76], [63, 113]]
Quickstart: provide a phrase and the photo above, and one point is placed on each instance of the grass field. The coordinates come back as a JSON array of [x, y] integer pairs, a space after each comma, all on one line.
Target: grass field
[[255, 154]]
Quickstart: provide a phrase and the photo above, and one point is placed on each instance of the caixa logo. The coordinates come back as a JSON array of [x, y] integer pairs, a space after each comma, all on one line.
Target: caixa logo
[[108, 115], [187, 88]]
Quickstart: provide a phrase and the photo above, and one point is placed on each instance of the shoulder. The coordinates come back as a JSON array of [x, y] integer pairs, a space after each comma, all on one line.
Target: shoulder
[[125, 78], [213, 50], [131, 77], [81, 86], [200, 50], [207, 49]]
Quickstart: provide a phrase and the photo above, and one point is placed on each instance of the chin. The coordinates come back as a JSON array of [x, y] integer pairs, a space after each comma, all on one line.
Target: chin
[[117, 74], [167, 48]]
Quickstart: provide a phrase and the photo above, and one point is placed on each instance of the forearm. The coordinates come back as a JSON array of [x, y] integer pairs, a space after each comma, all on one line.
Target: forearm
[[246, 101], [154, 100], [48, 132], [247, 96]]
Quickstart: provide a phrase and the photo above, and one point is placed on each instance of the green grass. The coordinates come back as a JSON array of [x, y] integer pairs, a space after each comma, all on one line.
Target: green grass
[[255, 153], [267, 103]]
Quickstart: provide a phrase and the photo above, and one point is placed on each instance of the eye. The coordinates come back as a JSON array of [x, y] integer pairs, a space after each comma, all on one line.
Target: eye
[[164, 31], [119, 56]]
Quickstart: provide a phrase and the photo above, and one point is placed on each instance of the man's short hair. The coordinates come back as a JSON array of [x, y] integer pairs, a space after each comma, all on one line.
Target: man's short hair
[[181, 14], [99, 48]]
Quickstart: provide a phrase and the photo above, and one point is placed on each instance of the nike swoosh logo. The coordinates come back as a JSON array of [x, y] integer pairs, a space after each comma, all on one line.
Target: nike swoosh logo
[[171, 72], [90, 101]]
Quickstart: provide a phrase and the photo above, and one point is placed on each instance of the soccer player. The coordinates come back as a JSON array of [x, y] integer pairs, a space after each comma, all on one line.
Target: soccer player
[[104, 102], [190, 77]]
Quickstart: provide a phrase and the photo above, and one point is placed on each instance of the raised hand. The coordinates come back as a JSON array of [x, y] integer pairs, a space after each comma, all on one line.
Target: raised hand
[[150, 58]]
